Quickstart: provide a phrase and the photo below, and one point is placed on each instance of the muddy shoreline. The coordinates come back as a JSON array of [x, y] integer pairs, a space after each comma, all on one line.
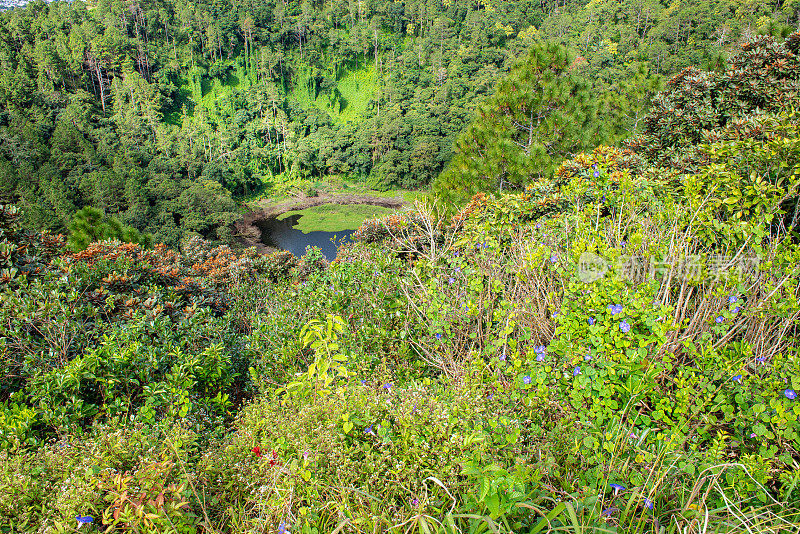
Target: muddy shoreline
[[247, 233]]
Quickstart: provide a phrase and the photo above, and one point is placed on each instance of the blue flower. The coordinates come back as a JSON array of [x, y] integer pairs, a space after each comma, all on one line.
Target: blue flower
[[617, 488], [83, 520], [608, 512], [451, 281], [736, 309], [719, 319], [737, 378], [553, 258], [623, 244], [596, 173], [526, 379], [648, 503], [282, 528], [387, 386], [615, 308], [592, 320], [576, 371], [363, 382], [369, 430], [594, 165], [624, 326], [761, 359], [539, 349], [731, 299], [790, 394], [588, 357], [438, 335], [538, 225]]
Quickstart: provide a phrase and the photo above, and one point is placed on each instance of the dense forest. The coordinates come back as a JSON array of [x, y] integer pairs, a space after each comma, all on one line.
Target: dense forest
[[164, 114]]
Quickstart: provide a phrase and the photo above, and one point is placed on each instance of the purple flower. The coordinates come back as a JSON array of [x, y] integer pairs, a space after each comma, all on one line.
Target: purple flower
[[587, 358], [752, 434], [451, 280], [761, 359], [282, 528], [538, 225], [414, 502], [648, 503], [608, 512], [438, 335], [624, 326], [594, 165], [731, 299], [592, 320], [617, 488], [615, 308], [596, 173], [790, 394], [388, 386], [623, 244], [526, 379], [719, 319], [576, 371], [553, 258], [737, 378], [736, 309], [369, 430], [83, 520]]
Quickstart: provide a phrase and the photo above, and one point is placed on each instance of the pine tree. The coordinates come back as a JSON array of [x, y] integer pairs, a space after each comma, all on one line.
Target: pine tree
[[540, 113]]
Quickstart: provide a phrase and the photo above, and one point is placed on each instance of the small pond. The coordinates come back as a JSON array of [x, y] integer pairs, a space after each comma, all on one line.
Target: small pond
[[283, 235]]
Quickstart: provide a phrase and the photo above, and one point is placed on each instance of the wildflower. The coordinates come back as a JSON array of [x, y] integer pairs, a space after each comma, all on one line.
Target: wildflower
[[608, 512], [576, 371], [363, 382], [526, 379], [752, 434], [719, 319], [457, 269], [633, 436], [587, 358], [502, 357], [648, 503], [623, 244], [387, 387], [761, 359], [624, 326], [415, 502], [83, 520], [257, 451], [731, 299], [283, 528], [305, 455], [617, 488], [538, 225], [553, 258], [737, 378], [540, 357], [438, 335], [790, 394], [736, 309], [274, 459], [451, 280], [615, 309], [592, 320], [369, 430], [596, 173], [594, 165]]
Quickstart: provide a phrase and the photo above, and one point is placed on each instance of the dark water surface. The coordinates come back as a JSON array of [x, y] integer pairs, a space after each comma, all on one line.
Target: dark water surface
[[282, 234]]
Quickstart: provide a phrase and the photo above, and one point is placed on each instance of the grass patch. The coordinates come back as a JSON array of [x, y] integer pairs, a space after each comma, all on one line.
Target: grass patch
[[335, 217]]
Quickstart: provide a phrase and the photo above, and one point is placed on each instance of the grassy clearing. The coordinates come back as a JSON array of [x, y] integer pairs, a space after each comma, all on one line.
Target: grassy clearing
[[335, 217]]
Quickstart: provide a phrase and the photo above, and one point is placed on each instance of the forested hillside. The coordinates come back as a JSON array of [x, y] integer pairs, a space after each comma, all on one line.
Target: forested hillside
[[164, 113]]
